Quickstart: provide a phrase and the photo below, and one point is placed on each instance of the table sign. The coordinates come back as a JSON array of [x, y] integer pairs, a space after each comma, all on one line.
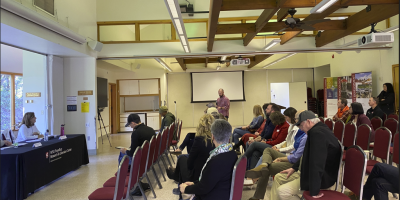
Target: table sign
[[63, 137]]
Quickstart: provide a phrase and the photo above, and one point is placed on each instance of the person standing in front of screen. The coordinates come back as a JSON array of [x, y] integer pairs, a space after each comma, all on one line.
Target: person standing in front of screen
[[223, 104]]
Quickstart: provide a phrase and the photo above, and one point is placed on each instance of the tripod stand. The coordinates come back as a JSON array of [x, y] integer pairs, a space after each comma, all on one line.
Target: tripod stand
[[99, 110]]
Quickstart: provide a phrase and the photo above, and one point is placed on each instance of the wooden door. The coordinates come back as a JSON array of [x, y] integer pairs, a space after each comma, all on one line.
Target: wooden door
[[113, 108], [395, 75]]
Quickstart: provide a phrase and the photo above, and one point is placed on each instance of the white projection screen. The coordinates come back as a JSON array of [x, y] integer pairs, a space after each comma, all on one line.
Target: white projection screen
[[205, 86]]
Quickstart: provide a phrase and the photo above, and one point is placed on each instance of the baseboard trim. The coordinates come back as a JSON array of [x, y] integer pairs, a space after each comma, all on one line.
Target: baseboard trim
[[92, 152]]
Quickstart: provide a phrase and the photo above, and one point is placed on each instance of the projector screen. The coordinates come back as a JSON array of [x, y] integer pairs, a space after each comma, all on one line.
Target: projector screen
[[205, 86]]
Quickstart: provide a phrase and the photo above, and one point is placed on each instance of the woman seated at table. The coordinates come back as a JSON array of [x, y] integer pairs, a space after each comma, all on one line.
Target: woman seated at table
[[188, 167], [28, 127], [216, 174]]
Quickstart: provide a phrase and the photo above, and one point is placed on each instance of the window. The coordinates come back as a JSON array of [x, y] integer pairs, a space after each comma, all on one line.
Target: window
[[46, 5], [11, 100]]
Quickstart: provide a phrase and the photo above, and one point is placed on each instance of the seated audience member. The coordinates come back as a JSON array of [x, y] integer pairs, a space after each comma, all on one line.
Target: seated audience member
[[245, 138], [274, 162], [256, 147], [213, 182], [28, 127], [375, 110], [188, 168], [4, 143], [343, 111], [255, 124], [318, 167], [168, 118], [140, 134], [211, 107], [357, 111], [383, 179]]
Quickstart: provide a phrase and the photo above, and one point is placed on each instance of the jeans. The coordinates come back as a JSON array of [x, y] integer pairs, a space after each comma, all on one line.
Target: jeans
[[188, 142], [121, 155], [259, 162], [254, 152], [238, 133], [384, 178]]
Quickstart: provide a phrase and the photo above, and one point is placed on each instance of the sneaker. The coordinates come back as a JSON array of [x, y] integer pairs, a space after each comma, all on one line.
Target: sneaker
[[176, 191], [248, 182]]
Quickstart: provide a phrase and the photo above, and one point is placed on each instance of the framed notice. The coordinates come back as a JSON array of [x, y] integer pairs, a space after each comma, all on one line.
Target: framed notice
[[71, 108]]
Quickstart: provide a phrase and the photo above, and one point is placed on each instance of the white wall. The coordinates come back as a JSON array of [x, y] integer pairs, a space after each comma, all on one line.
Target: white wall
[[80, 74], [11, 59], [58, 94], [34, 75]]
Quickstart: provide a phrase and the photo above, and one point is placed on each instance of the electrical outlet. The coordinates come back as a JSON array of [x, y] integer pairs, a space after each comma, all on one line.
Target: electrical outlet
[[88, 124], [88, 138]]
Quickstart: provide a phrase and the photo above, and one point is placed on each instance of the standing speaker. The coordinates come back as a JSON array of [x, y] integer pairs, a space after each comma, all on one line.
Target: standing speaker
[[95, 45]]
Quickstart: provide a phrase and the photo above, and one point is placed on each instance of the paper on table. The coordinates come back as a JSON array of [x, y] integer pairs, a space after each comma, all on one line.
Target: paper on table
[[6, 147], [37, 140], [21, 144], [32, 137]]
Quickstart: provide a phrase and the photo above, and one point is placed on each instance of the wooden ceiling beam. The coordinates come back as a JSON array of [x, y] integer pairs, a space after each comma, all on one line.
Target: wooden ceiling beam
[[181, 63], [215, 8], [282, 14], [228, 5], [259, 59], [357, 22], [265, 16], [287, 37], [276, 26], [206, 62]]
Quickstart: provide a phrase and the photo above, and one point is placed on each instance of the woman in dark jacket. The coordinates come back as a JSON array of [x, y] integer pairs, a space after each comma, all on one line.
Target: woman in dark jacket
[[216, 176], [360, 118], [386, 99], [188, 167]]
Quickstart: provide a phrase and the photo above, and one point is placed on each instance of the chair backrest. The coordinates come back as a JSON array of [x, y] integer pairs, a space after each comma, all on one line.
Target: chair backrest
[[237, 178], [321, 119], [171, 134], [158, 147], [164, 140], [145, 156], [392, 125], [329, 123], [11, 136], [354, 170], [396, 148], [363, 136], [121, 177], [152, 151], [350, 131], [338, 130], [394, 116], [384, 116], [135, 166], [383, 137], [376, 122], [340, 164], [179, 130]]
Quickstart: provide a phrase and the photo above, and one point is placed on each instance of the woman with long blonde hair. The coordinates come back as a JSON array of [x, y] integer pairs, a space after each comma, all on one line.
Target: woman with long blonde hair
[[28, 127], [189, 166]]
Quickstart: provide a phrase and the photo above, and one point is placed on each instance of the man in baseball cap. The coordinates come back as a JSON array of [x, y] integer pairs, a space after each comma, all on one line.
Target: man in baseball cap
[[321, 158]]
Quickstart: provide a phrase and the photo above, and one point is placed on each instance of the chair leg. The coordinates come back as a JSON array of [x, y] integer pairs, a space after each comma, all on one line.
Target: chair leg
[[166, 155], [159, 166], [163, 160], [151, 187], [171, 157], [155, 175], [141, 189]]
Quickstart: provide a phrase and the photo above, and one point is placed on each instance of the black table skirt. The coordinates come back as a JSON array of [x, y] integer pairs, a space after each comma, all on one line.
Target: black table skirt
[[25, 169]]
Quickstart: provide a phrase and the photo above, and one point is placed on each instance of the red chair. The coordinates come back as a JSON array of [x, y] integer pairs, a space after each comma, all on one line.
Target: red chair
[[174, 143], [163, 146], [237, 178], [338, 130], [157, 153], [376, 122], [143, 168], [353, 176], [170, 138], [119, 191], [384, 117], [381, 147], [321, 119], [349, 138], [394, 116], [394, 151], [150, 161], [363, 136], [329, 123], [392, 125]]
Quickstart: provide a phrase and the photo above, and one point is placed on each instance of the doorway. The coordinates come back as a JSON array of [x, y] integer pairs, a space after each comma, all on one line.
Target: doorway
[[395, 74], [112, 91]]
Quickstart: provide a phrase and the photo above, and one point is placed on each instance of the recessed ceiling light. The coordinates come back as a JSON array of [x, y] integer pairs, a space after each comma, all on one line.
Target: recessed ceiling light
[[322, 6]]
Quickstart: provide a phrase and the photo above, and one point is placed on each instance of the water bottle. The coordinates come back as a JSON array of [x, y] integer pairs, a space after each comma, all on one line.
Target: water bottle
[[46, 135], [62, 129]]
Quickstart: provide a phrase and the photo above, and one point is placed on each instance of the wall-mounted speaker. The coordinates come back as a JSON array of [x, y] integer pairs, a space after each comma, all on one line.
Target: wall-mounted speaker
[[95, 45]]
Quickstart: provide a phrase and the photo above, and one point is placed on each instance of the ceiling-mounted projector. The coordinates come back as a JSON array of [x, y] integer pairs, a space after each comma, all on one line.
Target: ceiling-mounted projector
[[187, 9], [375, 39]]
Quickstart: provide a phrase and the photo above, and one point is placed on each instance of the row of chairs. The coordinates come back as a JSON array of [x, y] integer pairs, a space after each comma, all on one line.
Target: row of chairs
[[143, 159]]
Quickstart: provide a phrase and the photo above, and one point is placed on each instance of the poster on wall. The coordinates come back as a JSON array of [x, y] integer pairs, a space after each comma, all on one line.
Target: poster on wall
[[362, 88], [330, 96]]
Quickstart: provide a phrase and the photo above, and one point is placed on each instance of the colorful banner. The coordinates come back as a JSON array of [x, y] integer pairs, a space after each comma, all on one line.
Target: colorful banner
[[362, 88], [346, 88], [331, 96]]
